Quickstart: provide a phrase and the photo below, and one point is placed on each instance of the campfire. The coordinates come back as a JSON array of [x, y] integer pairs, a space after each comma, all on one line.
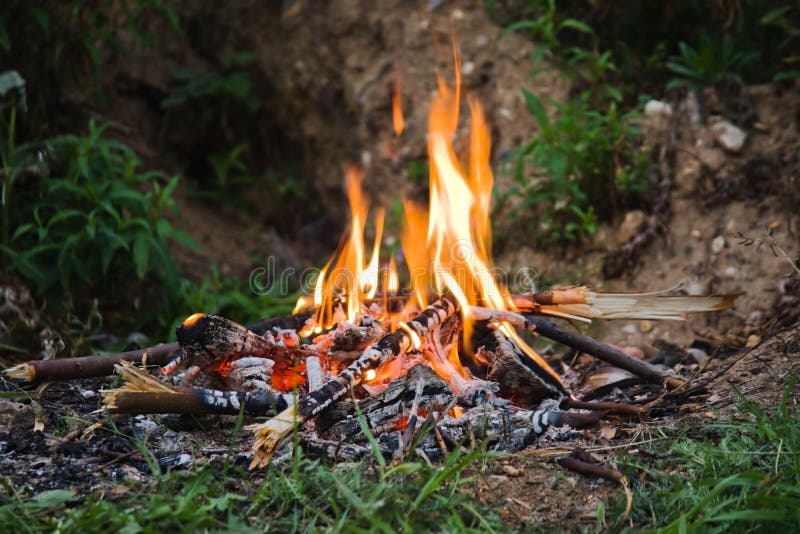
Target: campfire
[[431, 356]]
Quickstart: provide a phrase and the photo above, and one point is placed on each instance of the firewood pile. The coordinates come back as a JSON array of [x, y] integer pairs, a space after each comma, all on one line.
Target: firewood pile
[[363, 365]]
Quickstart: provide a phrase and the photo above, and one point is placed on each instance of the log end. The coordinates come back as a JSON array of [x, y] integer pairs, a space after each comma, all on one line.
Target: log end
[[23, 371]]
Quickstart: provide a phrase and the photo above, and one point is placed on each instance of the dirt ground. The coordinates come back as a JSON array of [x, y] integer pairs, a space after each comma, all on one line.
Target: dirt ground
[[338, 63]]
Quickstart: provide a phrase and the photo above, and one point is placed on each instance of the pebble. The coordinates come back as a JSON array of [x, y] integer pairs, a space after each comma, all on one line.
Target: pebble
[[645, 326], [696, 234], [512, 471], [467, 68], [733, 273], [713, 158], [752, 341], [729, 136], [88, 394], [698, 355], [717, 244], [629, 328], [630, 225], [184, 460], [656, 108]]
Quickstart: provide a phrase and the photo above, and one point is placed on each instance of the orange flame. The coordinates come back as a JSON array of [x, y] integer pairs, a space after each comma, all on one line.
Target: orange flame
[[397, 105], [345, 281]]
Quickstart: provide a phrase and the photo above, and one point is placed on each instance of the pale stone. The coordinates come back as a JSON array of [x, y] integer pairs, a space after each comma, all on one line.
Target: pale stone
[[656, 108], [729, 136], [752, 341], [630, 225], [645, 326], [717, 244]]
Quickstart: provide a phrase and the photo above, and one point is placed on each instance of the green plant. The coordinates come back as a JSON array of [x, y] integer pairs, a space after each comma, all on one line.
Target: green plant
[[53, 43], [227, 83], [714, 62], [582, 166], [89, 222]]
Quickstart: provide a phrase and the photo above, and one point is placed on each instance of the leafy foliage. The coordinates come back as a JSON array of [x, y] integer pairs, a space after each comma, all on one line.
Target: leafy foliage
[[582, 166], [88, 220], [713, 63]]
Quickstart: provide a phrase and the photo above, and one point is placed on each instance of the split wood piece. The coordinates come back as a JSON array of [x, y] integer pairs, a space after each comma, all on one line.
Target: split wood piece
[[388, 410], [390, 346], [519, 377], [144, 394], [604, 352], [103, 364], [586, 303]]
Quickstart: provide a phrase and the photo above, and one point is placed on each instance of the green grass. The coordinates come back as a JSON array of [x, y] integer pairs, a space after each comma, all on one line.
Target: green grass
[[304, 496], [738, 475]]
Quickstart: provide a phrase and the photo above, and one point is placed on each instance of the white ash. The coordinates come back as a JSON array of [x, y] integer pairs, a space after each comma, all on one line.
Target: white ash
[[251, 374]]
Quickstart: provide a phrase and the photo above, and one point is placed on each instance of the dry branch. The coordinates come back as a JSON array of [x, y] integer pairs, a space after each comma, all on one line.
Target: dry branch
[[603, 352], [88, 366]]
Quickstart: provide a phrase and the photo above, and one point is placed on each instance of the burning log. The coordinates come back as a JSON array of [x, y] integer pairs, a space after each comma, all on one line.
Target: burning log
[[144, 394], [391, 409], [519, 377], [271, 433], [603, 352], [216, 341]]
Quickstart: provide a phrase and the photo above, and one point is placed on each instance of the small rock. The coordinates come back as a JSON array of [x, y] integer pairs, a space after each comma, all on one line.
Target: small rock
[[656, 108], [696, 234], [713, 158], [629, 328], [184, 460], [752, 341], [717, 244], [634, 352], [733, 273], [511, 471], [630, 225], [693, 287], [698, 355], [645, 326], [467, 68], [729, 137], [88, 394]]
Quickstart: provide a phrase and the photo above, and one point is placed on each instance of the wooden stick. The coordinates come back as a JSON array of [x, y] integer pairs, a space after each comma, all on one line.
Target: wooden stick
[[88, 366], [142, 393], [612, 407], [270, 434], [196, 401], [604, 352], [591, 469], [103, 365]]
